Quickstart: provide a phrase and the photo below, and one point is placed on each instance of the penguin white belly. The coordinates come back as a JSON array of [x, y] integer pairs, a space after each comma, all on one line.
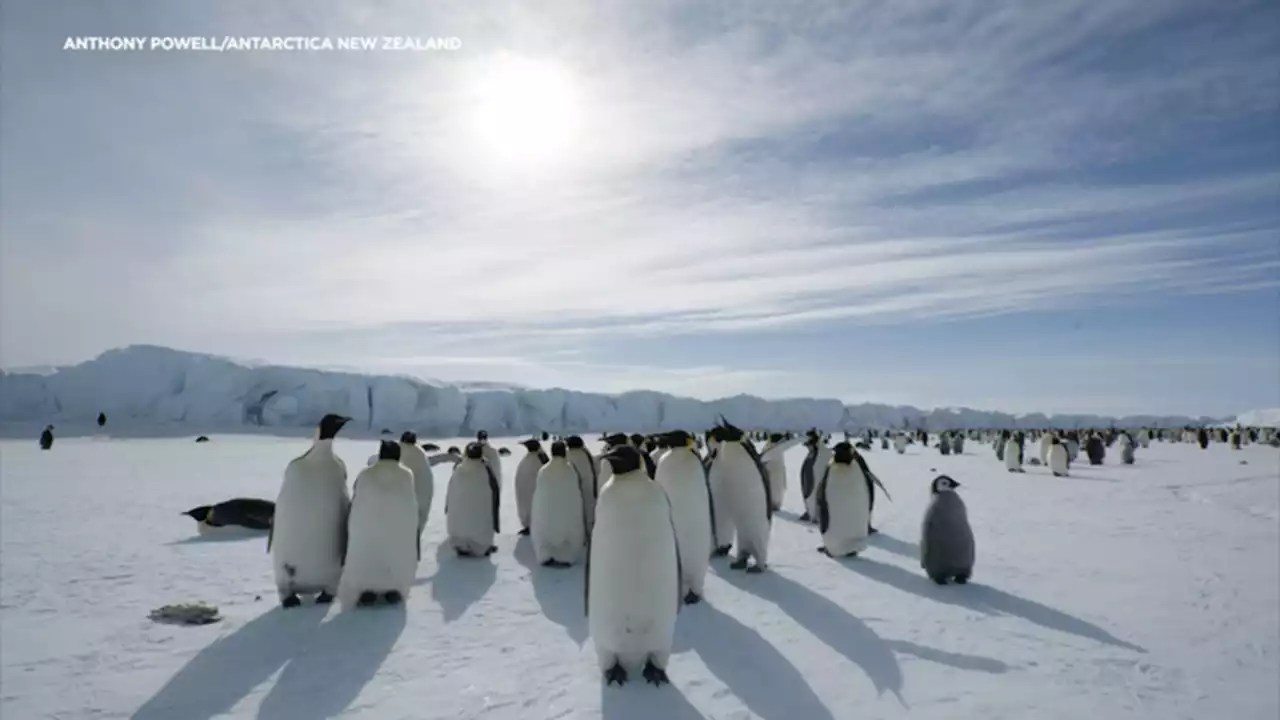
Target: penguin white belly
[[682, 477], [203, 528], [559, 525], [469, 510], [526, 481], [1011, 459], [1045, 443], [413, 458], [900, 444], [492, 457], [820, 464], [633, 587], [1058, 460], [777, 469], [725, 529], [587, 477], [309, 527], [382, 543], [745, 492], [848, 511]]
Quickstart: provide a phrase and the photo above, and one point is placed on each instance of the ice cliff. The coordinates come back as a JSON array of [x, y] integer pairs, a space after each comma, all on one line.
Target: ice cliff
[[144, 387]]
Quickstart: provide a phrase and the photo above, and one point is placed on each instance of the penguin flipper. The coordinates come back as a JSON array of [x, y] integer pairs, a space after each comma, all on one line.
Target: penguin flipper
[[271, 535], [764, 478], [495, 489], [675, 538], [586, 582], [711, 504], [824, 512]]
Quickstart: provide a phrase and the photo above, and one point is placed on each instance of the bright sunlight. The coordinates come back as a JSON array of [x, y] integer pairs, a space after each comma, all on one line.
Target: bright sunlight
[[528, 113]]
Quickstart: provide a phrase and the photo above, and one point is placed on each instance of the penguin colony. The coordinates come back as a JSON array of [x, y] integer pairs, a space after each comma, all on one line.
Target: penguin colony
[[645, 517]]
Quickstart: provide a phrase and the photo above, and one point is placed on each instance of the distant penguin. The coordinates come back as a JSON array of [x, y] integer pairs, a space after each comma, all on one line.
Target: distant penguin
[[1235, 439], [1144, 438], [632, 580], [587, 475], [900, 443], [1057, 456], [46, 438], [1013, 454], [383, 545], [740, 482], [545, 436], [946, 541], [526, 481], [102, 419], [775, 465], [944, 444], [844, 506], [1072, 441], [233, 516], [884, 442], [430, 447], [957, 443], [1002, 440], [684, 478], [1202, 437], [202, 439], [308, 537], [1046, 440], [1094, 448], [811, 469], [453, 450], [491, 454], [559, 521], [472, 504], [1126, 449], [424, 481]]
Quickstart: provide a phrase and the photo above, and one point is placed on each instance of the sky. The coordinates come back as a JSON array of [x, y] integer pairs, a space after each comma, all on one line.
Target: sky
[[1067, 206]]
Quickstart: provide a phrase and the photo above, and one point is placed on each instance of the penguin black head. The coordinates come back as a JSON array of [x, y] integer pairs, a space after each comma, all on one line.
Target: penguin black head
[[330, 425], [1055, 440], [678, 439], [558, 449], [637, 439], [943, 483], [842, 453], [616, 439], [545, 436], [482, 435], [389, 450], [430, 446], [729, 432], [775, 437], [532, 445], [453, 450], [574, 442], [504, 452], [200, 513], [623, 459], [409, 436], [475, 451]]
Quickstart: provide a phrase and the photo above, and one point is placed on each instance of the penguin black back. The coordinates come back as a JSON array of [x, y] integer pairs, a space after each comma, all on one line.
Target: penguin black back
[[637, 439], [777, 437], [616, 439], [474, 451], [623, 459], [410, 437], [678, 439], [330, 425], [532, 445], [574, 442], [389, 450], [559, 450], [842, 453], [482, 435]]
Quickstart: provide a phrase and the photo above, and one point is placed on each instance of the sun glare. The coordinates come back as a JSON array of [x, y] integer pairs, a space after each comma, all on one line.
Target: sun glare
[[527, 112]]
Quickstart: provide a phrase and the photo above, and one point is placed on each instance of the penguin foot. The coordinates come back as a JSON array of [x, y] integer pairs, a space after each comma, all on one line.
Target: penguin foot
[[367, 599], [805, 517], [722, 551], [692, 598], [962, 579], [492, 549], [324, 598], [523, 531], [940, 579], [824, 551], [463, 553], [739, 564], [655, 675], [393, 597], [290, 602], [755, 569], [616, 674], [871, 530]]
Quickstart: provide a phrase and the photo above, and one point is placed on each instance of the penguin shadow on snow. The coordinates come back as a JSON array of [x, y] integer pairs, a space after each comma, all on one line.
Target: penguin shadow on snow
[[760, 676], [223, 673], [828, 622], [558, 591], [985, 599], [460, 582], [894, 545], [341, 658], [225, 537], [638, 700], [791, 516]]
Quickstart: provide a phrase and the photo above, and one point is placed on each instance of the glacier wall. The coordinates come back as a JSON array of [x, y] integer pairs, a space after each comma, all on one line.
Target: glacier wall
[[145, 388]]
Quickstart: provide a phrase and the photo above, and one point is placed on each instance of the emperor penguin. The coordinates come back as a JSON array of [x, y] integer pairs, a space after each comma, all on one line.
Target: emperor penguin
[[815, 463], [308, 538], [1001, 441], [1236, 439], [1057, 457], [102, 419], [1013, 453], [900, 443], [957, 443], [1094, 448], [491, 454], [233, 516], [580, 456], [640, 444], [46, 438], [559, 521], [526, 479], [844, 505], [740, 482], [944, 443], [632, 579], [1202, 437], [686, 482], [1126, 449], [1046, 441], [775, 466], [383, 545], [472, 504], [424, 481], [946, 540]]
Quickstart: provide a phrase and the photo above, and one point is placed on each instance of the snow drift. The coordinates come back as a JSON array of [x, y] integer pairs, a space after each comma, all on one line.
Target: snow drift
[[146, 388]]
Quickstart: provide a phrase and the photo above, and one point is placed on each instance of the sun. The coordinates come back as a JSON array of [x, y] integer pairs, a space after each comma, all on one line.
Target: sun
[[527, 112]]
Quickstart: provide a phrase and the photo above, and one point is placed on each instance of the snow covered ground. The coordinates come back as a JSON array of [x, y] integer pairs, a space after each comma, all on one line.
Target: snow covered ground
[[1150, 591]]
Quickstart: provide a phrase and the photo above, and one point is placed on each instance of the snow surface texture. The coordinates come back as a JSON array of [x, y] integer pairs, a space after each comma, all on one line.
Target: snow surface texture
[[147, 391], [1144, 591]]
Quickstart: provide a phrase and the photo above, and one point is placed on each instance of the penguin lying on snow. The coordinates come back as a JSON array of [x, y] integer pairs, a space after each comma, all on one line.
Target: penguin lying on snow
[[430, 447], [234, 515], [946, 540]]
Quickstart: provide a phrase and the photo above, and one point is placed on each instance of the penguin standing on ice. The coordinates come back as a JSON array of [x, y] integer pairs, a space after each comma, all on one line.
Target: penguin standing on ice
[[632, 579], [944, 443], [1046, 441], [946, 540], [559, 521], [383, 545], [308, 537], [1058, 462], [1094, 448], [46, 438], [102, 419], [1002, 440], [526, 479], [775, 465], [1126, 448], [1202, 437], [682, 475], [744, 487], [472, 503], [900, 443], [815, 463], [957, 443], [1235, 439], [1013, 453], [587, 475], [844, 505], [491, 454], [233, 516], [424, 480]]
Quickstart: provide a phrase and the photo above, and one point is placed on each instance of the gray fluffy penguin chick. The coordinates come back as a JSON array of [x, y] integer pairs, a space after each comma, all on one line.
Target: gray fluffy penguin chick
[[946, 540]]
